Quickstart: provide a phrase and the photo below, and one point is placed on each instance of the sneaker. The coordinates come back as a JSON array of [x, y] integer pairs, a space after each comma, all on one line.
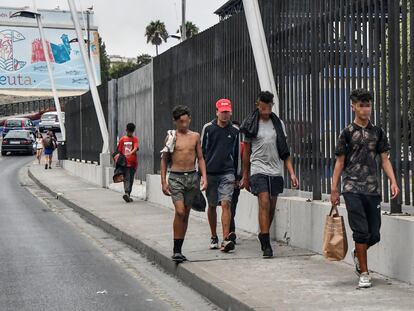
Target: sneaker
[[126, 198], [227, 246], [268, 252], [364, 280], [50, 167], [130, 200], [214, 243], [45, 166], [178, 258], [232, 237], [262, 243], [356, 262]]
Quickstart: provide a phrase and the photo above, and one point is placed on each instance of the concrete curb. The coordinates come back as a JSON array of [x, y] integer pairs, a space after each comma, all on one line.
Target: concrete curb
[[188, 272]]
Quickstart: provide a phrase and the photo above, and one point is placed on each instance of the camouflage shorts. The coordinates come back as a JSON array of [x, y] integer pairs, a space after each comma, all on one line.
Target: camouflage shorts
[[184, 187]]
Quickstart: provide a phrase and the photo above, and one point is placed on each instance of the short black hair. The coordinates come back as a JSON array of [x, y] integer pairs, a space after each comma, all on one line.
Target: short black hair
[[179, 111], [130, 127], [265, 97], [361, 95]]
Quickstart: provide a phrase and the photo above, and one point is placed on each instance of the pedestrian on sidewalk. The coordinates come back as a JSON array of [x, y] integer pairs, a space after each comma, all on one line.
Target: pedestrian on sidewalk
[[39, 146], [49, 144], [357, 150], [182, 149], [236, 193], [265, 152], [220, 144], [128, 147]]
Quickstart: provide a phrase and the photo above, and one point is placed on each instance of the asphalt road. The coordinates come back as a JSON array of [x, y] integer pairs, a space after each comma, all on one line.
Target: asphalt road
[[46, 264]]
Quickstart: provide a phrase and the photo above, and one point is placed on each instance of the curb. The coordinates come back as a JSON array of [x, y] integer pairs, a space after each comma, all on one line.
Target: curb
[[188, 273]]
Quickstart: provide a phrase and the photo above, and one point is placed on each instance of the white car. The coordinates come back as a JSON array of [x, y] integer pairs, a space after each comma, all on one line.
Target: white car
[[50, 122]]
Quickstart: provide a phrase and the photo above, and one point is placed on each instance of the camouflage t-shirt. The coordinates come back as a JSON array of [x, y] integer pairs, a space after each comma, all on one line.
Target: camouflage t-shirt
[[361, 147]]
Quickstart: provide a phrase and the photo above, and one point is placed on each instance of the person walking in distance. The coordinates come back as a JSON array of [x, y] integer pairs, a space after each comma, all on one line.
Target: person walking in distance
[[358, 147], [39, 146], [182, 149], [128, 146], [49, 144]]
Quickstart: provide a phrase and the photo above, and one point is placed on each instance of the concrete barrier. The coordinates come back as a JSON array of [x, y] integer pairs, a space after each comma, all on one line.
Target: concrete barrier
[[93, 173], [300, 221]]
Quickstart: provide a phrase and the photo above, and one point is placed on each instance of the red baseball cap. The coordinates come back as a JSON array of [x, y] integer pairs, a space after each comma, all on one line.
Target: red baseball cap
[[223, 105]]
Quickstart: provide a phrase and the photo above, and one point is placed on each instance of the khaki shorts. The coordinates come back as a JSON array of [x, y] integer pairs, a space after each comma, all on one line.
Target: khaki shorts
[[184, 187]]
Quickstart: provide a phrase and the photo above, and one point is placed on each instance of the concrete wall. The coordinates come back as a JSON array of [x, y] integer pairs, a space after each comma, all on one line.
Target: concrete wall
[[300, 222], [93, 173]]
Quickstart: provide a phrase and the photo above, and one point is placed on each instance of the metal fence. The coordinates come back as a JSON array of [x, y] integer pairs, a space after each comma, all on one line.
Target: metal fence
[[39, 106], [320, 51], [131, 99], [83, 135]]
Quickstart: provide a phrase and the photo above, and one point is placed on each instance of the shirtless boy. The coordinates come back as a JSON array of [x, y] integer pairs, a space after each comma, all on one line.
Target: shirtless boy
[[183, 182]]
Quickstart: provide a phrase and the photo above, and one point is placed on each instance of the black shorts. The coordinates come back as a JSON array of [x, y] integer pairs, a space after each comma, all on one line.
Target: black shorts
[[262, 183], [364, 217]]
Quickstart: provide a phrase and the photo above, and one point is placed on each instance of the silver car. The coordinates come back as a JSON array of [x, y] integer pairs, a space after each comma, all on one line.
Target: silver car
[[50, 122]]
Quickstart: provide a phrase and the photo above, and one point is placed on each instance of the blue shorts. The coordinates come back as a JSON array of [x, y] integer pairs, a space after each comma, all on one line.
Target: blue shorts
[[220, 188], [48, 151]]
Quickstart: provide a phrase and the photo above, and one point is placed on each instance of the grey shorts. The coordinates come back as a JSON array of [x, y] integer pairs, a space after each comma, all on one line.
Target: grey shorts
[[220, 188], [262, 183], [184, 187]]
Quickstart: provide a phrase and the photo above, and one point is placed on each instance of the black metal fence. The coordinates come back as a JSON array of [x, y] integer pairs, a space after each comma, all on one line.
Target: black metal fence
[[83, 135], [320, 51]]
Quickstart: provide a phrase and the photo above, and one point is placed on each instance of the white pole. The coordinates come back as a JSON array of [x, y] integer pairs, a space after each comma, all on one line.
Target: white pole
[[50, 71], [183, 25], [260, 49], [92, 84]]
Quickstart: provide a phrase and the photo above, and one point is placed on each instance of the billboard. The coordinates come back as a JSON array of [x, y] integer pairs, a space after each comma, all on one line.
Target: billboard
[[22, 61]]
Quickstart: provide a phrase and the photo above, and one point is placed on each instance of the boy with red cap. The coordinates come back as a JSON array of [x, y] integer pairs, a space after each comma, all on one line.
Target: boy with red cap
[[220, 145]]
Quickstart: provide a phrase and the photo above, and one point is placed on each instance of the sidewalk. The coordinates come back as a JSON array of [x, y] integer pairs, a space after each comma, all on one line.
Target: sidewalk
[[295, 280]]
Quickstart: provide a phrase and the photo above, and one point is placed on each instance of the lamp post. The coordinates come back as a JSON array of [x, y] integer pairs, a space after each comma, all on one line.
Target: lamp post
[[92, 84], [36, 15]]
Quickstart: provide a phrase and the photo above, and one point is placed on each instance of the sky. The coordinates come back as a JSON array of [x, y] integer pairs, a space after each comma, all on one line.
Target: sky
[[122, 23]]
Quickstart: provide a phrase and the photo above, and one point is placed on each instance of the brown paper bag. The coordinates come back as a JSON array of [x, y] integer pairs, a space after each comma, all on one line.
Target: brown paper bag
[[335, 243]]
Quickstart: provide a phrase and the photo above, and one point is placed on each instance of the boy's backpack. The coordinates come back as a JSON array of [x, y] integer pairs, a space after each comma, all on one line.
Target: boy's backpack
[[47, 142]]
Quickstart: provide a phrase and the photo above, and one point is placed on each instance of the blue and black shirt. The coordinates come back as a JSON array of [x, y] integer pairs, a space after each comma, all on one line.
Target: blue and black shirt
[[221, 148]]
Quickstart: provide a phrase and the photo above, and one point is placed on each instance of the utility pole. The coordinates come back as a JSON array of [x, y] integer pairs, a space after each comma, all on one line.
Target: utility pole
[[94, 90], [260, 49], [50, 71], [183, 25]]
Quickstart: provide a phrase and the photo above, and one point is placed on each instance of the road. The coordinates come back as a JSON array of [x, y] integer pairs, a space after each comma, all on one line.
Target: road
[[51, 259]]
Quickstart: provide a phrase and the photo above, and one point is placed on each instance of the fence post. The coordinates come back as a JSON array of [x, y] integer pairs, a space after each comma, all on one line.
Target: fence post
[[315, 69], [394, 99]]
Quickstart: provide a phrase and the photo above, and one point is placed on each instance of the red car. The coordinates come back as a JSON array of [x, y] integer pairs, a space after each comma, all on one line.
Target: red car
[[18, 124]]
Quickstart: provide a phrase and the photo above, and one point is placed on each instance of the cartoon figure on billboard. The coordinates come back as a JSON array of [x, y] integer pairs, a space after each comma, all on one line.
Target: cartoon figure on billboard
[[58, 53], [7, 39]]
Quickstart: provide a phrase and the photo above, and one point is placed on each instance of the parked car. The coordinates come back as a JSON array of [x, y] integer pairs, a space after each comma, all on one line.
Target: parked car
[[18, 141], [50, 122], [13, 124]]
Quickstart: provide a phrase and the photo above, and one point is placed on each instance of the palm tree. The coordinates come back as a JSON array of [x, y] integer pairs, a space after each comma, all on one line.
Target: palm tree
[[190, 29], [156, 33]]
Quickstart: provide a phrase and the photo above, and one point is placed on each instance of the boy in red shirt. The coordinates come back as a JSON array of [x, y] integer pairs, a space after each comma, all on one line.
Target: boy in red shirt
[[128, 146]]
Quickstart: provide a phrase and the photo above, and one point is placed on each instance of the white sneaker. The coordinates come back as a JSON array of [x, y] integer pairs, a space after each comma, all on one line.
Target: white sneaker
[[356, 262], [364, 280], [214, 243]]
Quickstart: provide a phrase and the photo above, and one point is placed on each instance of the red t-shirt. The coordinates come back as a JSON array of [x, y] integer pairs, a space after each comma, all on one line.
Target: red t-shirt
[[125, 146]]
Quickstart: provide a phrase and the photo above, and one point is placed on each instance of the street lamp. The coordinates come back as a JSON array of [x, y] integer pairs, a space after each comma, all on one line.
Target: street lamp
[[36, 15], [92, 85]]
